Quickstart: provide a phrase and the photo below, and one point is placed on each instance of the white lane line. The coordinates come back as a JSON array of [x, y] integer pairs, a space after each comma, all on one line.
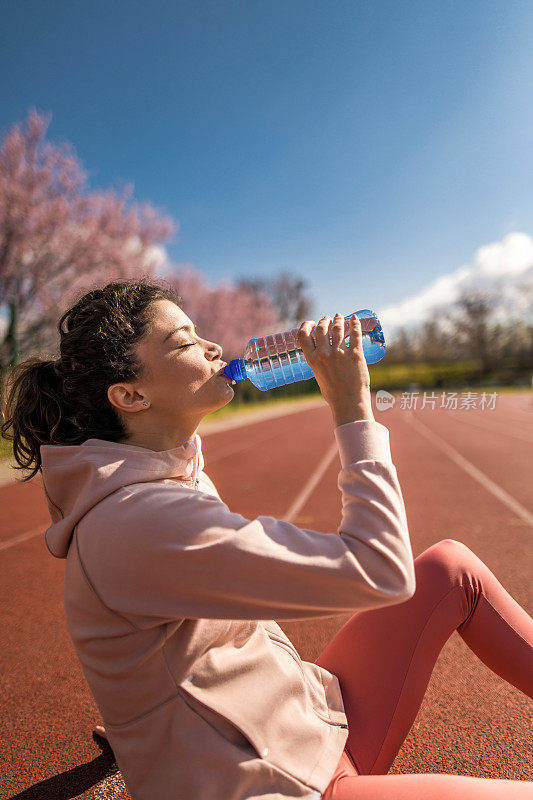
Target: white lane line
[[496, 428], [304, 495], [471, 470], [23, 537]]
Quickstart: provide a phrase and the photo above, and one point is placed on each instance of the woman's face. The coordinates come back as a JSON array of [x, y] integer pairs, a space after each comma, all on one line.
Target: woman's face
[[180, 379]]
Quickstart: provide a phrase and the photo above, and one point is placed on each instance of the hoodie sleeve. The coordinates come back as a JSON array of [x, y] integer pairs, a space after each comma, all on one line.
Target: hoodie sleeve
[[156, 552]]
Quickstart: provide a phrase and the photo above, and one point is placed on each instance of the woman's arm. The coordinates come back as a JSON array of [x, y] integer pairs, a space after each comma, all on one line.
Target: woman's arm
[[156, 552]]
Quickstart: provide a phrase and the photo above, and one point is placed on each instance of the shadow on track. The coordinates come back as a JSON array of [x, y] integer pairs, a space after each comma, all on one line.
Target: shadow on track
[[74, 781]]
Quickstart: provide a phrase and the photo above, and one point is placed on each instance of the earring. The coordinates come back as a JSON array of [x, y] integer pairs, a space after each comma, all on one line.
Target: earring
[[145, 403]]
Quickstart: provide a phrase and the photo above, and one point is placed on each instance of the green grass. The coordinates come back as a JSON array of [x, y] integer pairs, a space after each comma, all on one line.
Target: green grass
[[6, 450]]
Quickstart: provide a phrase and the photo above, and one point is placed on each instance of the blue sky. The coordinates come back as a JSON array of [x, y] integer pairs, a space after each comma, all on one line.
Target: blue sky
[[370, 147]]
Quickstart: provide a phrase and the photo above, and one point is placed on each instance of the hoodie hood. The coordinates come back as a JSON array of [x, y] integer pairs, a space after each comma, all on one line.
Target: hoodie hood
[[77, 477]]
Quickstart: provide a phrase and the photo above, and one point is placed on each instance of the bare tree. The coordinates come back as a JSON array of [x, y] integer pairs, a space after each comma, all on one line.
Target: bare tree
[[473, 312], [288, 293]]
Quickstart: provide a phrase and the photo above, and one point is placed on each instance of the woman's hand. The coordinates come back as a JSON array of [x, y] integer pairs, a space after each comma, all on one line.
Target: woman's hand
[[341, 372]]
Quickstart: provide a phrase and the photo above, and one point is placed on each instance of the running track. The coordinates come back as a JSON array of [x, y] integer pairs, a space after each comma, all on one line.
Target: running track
[[465, 474]]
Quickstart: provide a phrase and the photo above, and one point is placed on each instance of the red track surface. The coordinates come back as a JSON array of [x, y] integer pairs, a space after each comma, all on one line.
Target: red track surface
[[471, 721]]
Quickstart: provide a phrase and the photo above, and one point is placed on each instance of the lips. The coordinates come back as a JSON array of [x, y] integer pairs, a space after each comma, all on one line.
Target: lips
[[223, 375]]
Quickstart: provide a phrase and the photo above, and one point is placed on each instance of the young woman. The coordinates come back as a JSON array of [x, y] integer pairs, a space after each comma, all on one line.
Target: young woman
[[170, 597]]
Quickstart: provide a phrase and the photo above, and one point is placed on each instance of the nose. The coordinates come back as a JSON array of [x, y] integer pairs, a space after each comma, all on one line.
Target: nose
[[214, 351]]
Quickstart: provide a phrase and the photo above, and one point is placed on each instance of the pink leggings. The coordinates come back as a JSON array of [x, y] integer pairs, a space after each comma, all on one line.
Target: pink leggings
[[384, 658]]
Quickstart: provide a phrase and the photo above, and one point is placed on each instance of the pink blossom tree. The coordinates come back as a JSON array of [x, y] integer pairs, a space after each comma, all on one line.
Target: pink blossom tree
[[229, 315], [57, 238]]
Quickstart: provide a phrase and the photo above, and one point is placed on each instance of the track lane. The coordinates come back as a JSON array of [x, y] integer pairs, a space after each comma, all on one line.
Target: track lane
[[504, 454], [471, 721]]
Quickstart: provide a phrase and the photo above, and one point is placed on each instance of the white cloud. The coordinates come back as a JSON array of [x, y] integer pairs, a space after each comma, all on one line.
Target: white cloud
[[503, 269], [155, 255]]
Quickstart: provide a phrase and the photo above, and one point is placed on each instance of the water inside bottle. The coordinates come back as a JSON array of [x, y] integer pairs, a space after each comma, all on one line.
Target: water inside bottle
[[278, 359]]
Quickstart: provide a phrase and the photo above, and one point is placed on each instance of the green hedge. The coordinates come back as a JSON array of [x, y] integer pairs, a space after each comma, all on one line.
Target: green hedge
[[459, 374]]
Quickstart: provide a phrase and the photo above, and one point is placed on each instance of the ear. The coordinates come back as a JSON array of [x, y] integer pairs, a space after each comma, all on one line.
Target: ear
[[125, 397]]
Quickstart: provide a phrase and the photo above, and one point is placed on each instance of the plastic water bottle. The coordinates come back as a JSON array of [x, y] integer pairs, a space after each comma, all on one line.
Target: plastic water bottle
[[275, 360]]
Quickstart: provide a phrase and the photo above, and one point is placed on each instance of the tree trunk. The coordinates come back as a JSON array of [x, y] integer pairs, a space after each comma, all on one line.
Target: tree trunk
[[12, 336]]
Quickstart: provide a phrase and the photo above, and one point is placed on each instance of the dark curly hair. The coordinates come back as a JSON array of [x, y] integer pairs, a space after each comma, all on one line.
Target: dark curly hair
[[66, 403]]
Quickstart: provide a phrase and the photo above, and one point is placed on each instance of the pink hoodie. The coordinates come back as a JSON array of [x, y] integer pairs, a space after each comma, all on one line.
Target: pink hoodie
[[170, 599]]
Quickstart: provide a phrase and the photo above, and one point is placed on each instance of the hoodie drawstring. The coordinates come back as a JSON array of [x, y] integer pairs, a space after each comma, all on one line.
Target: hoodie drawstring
[[196, 464]]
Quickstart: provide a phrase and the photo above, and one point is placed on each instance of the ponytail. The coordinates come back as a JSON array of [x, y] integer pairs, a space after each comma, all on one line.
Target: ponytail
[[33, 411], [65, 402]]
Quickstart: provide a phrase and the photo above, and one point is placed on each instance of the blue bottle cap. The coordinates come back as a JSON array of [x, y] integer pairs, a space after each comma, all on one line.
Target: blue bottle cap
[[234, 370]]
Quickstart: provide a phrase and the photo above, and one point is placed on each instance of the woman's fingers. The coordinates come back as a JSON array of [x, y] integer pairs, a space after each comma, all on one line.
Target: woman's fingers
[[356, 335], [322, 335], [337, 330], [341, 372], [316, 338], [305, 338]]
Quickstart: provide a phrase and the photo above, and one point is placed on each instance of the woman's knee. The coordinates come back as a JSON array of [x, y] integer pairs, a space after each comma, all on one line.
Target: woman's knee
[[447, 558], [449, 550]]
